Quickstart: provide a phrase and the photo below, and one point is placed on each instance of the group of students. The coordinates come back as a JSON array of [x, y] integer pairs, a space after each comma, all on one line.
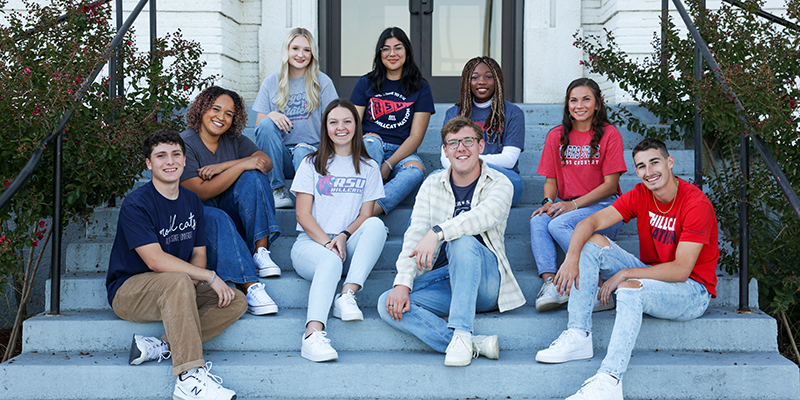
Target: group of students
[[207, 218]]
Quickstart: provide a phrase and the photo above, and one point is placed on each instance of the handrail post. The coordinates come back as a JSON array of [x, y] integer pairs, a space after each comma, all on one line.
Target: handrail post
[[664, 16], [698, 120], [55, 260], [744, 224]]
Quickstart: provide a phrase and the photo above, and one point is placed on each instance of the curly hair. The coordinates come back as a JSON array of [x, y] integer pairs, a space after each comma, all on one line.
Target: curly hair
[[410, 79], [311, 72], [205, 100], [599, 119], [497, 115]]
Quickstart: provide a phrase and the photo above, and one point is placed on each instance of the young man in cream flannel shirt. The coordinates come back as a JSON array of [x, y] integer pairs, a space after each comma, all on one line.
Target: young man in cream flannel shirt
[[453, 262]]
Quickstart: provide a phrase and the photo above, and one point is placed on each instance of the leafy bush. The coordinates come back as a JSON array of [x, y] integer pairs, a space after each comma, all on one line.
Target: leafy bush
[[43, 65], [761, 64]]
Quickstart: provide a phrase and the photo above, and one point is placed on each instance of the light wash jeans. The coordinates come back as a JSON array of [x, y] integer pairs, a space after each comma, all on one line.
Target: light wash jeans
[[469, 284], [402, 181], [285, 158], [516, 180], [680, 301], [250, 205], [324, 268], [227, 253], [545, 229]]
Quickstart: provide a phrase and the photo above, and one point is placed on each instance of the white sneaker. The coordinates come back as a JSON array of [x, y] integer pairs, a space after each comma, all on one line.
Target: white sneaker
[[346, 308], [258, 301], [599, 387], [609, 306], [148, 348], [318, 348], [486, 346], [282, 199], [572, 344], [264, 265], [548, 297], [198, 383], [459, 352]]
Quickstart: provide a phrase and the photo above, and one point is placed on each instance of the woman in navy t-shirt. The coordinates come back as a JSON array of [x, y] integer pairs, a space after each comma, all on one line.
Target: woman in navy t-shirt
[[395, 103]]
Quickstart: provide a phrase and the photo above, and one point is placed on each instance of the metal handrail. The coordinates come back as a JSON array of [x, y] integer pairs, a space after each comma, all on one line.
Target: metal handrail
[[769, 160], [763, 14], [58, 131]]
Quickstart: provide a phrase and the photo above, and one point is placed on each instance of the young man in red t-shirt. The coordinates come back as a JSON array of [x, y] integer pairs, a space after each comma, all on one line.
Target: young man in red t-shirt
[[674, 279]]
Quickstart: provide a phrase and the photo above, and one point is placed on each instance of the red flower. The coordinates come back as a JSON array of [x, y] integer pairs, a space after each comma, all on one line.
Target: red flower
[[36, 111], [185, 87], [40, 235], [791, 103], [580, 62], [2, 238], [6, 182], [41, 224], [27, 70], [35, 242]]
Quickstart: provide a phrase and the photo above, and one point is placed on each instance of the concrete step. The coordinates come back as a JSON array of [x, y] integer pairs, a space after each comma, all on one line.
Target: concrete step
[[87, 290], [400, 375], [719, 330]]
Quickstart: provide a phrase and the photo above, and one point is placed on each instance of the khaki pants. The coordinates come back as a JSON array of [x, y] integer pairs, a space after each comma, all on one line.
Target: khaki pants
[[190, 314]]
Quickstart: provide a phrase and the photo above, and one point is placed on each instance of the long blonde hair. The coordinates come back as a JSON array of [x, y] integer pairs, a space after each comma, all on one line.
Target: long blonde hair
[[312, 70]]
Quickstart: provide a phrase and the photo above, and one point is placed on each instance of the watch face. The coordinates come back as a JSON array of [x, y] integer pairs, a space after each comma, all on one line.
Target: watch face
[[545, 201]]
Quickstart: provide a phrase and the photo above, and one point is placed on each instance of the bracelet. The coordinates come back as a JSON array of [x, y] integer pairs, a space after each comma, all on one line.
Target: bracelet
[[326, 244], [390, 166], [576, 203], [346, 233], [213, 278]]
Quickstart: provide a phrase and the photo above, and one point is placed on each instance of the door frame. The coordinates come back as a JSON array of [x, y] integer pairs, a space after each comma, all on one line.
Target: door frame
[[511, 44]]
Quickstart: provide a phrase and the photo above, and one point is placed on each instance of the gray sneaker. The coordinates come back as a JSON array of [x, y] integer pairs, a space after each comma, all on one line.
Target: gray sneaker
[[148, 348], [282, 198], [549, 298]]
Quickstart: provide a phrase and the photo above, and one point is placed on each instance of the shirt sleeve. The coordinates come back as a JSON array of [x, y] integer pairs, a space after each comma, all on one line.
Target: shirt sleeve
[[192, 158], [613, 152], [304, 178], [263, 103], [327, 92], [549, 157], [626, 203], [374, 185], [425, 100], [137, 226], [696, 226], [514, 127], [359, 96]]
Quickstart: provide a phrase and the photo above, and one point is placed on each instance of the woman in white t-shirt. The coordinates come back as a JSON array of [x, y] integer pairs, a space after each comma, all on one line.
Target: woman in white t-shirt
[[336, 188], [289, 106]]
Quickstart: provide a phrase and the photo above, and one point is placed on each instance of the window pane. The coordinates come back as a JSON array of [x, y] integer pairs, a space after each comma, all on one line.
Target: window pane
[[459, 28], [362, 23]]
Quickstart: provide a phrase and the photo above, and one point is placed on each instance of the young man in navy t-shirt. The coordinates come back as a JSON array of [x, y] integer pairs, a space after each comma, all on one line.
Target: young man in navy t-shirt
[[157, 272]]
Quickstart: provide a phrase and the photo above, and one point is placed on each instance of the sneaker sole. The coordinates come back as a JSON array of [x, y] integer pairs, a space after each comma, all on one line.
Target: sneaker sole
[[548, 305], [269, 272], [263, 310], [556, 360], [319, 358], [347, 317], [456, 363], [286, 204]]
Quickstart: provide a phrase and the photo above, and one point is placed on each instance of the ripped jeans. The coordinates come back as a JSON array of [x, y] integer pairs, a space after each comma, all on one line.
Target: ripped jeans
[[402, 180], [679, 301]]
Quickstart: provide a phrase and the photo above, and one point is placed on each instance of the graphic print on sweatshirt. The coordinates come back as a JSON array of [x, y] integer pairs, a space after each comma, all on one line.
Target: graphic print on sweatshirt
[[662, 228], [579, 155], [296, 107], [389, 114], [329, 185], [178, 231]]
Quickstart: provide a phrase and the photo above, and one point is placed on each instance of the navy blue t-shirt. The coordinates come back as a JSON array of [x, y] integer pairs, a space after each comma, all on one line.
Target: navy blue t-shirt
[[148, 217], [463, 204], [513, 129], [390, 114]]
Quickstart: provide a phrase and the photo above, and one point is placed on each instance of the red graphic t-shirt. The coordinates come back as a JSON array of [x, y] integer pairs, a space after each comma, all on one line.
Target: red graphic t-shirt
[[691, 219]]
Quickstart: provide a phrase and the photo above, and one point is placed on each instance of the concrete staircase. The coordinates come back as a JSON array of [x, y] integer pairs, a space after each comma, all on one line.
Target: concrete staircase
[[83, 353]]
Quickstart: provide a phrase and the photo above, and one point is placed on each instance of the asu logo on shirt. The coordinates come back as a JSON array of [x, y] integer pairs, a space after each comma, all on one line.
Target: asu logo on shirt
[[379, 107], [662, 227], [579, 155], [329, 185]]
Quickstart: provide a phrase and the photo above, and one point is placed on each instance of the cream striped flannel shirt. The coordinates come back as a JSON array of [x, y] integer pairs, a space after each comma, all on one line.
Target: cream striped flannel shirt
[[435, 204]]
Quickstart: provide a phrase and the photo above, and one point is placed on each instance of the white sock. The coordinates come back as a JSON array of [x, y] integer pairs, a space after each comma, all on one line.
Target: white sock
[[463, 333]]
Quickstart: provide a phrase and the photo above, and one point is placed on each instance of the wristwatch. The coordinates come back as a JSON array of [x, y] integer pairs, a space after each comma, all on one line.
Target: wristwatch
[[438, 231], [546, 200]]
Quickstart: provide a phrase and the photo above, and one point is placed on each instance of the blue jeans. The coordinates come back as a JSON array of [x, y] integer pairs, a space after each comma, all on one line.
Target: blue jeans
[[402, 180], [680, 301], [324, 268], [545, 229], [470, 284], [516, 180], [250, 205], [227, 254], [285, 158]]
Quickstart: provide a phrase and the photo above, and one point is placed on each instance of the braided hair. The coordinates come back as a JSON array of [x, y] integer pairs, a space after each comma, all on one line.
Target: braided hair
[[599, 119], [497, 115]]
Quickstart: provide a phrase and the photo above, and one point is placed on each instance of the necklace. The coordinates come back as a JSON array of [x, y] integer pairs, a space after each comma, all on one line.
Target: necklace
[[677, 182]]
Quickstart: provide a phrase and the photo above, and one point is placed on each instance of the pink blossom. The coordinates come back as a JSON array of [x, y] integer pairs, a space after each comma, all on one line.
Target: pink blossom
[[27, 70], [2, 238]]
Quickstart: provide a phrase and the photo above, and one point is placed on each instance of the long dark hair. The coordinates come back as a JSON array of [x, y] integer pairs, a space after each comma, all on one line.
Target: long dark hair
[[599, 119], [325, 152], [411, 77], [497, 115], [205, 100]]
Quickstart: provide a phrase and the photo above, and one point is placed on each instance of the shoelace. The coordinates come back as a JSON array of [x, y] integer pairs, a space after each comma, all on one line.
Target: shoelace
[[207, 370], [259, 294], [350, 298], [157, 352], [319, 336], [588, 382], [563, 338]]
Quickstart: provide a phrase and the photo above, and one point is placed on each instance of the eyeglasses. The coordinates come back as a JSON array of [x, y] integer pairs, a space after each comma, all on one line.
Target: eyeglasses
[[386, 50], [452, 144]]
